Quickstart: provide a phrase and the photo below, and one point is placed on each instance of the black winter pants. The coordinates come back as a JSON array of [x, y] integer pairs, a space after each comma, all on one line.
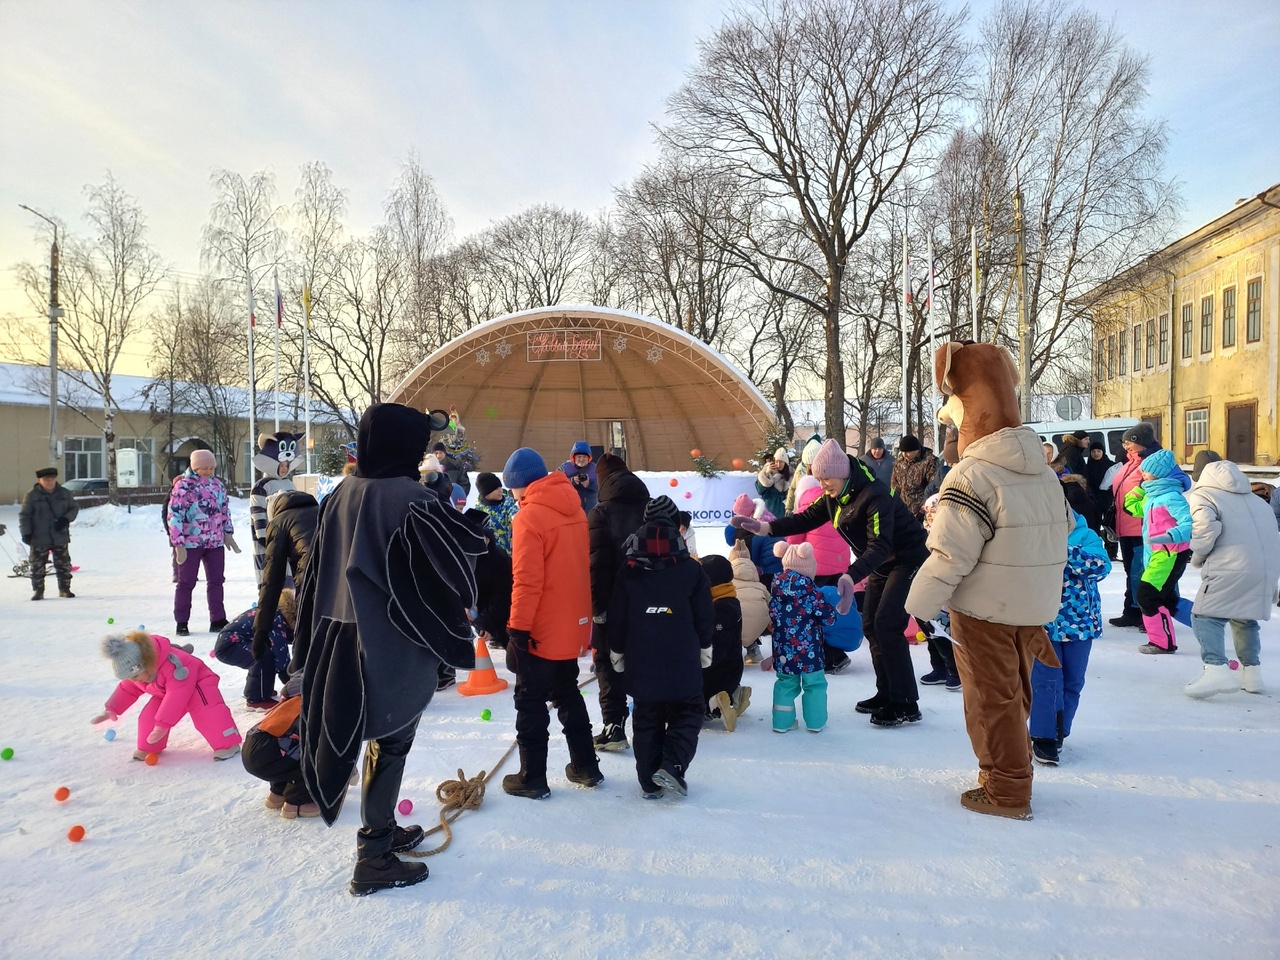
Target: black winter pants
[[264, 759], [537, 682], [725, 675], [665, 731], [884, 622], [831, 655], [1130, 554], [612, 689], [383, 770]]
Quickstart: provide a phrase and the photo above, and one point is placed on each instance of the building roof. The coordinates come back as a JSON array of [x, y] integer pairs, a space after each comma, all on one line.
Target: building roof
[[26, 385]]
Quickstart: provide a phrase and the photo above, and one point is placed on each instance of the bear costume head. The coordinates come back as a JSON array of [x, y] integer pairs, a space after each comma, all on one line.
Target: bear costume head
[[275, 449], [979, 381]]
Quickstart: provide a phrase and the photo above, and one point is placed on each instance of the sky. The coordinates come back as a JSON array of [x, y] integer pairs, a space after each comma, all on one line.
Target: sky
[[507, 103]]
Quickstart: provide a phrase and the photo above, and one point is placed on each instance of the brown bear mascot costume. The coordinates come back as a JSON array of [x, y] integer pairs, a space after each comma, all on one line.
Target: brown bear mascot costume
[[996, 552]]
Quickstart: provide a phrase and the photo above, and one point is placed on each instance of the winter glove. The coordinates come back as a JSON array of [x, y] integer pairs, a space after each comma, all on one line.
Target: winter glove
[[520, 639], [230, 541], [61, 523], [26, 538], [157, 734], [261, 644], [180, 554], [705, 656], [845, 586], [619, 661], [104, 716], [750, 524]]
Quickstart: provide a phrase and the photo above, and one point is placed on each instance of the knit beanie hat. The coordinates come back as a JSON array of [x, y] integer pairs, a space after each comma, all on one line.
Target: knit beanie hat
[[459, 495], [580, 447], [908, 444], [718, 569], [607, 464], [743, 506], [486, 483], [805, 484], [1203, 459], [125, 655], [523, 467], [1144, 435], [797, 557], [1097, 445], [831, 462], [1159, 464], [203, 458], [877, 443], [661, 510], [810, 451], [1081, 435], [780, 454]]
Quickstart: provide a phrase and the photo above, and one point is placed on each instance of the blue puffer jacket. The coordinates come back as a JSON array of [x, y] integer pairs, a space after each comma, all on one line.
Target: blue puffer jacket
[[1080, 617], [799, 612]]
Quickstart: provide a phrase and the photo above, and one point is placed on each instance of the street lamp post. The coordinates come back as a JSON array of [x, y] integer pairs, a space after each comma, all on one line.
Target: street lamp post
[[55, 313]]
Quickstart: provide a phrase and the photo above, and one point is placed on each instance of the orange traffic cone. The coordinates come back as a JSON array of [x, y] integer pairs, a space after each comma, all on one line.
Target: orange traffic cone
[[483, 679]]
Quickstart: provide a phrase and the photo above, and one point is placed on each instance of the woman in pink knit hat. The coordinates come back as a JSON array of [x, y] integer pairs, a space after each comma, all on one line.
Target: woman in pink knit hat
[[889, 544]]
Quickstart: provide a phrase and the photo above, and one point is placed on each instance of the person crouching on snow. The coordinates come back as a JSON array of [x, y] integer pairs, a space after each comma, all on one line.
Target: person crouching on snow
[[799, 612], [722, 688], [661, 626], [237, 645], [180, 684], [1055, 691], [273, 752]]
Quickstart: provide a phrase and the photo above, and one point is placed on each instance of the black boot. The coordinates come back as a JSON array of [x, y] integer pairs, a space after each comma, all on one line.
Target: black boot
[[585, 775], [531, 781], [870, 705], [66, 592], [217, 625], [182, 630], [37, 589], [671, 777], [384, 872]]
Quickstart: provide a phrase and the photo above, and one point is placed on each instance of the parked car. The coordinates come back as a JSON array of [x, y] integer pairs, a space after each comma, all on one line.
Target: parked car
[[1109, 431], [87, 485]]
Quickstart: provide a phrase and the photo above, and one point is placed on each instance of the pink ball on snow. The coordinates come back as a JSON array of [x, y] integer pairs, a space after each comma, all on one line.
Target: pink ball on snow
[[688, 495], [1234, 664], [405, 807]]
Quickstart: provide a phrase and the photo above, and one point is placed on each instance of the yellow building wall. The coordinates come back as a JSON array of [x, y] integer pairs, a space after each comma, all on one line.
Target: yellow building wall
[[1218, 379]]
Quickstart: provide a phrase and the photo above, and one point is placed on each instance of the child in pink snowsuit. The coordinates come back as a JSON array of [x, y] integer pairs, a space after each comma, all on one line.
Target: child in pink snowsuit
[[179, 683]]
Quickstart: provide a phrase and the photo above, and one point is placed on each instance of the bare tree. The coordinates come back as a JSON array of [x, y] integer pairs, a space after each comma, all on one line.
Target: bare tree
[[419, 225], [539, 256], [106, 279], [821, 105]]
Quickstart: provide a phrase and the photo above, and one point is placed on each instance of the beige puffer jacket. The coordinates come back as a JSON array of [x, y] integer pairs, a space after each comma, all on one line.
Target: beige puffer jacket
[[998, 542], [754, 597]]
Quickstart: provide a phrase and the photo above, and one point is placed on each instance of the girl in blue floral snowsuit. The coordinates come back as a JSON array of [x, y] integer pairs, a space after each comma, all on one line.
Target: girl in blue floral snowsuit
[[1055, 691], [798, 611]]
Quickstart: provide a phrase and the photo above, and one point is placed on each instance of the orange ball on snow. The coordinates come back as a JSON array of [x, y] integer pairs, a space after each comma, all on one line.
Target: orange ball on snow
[[153, 759], [674, 482], [75, 834], [61, 794]]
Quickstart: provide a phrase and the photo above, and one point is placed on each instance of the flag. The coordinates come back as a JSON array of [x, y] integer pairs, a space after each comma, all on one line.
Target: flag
[[306, 302], [253, 315], [279, 302]]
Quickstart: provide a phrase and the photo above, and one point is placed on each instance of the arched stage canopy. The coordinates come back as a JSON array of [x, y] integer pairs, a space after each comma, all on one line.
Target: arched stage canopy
[[544, 378]]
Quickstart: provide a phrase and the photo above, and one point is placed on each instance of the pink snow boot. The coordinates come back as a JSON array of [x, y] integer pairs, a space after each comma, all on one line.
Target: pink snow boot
[[1160, 633]]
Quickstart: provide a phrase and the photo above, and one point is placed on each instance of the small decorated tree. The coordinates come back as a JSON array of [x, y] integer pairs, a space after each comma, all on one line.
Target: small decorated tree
[[775, 436], [706, 466]]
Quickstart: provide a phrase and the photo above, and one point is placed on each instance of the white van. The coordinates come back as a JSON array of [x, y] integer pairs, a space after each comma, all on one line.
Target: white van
[[1109, 430]]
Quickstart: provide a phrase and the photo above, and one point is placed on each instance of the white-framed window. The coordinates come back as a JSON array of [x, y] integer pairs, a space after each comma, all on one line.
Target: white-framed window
[[82, 458], [146, 447], [1253, 311], [1229, 317], [1197, 431]]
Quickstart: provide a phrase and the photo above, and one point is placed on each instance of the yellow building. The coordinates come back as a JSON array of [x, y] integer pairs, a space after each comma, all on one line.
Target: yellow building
[[1188, 339]]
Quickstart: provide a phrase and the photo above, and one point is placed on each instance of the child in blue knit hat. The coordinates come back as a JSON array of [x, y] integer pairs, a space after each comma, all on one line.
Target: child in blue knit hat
[[1166, 541]]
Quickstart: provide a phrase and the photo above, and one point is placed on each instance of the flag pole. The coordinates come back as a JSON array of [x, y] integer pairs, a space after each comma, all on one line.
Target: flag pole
[[253, 399], [279, 324], [934, 403], [906, 311], [306, 363], [973, 293]]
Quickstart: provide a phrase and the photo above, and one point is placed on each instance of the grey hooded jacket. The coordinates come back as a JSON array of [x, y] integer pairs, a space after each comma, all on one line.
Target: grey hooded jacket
[[1235, 544]]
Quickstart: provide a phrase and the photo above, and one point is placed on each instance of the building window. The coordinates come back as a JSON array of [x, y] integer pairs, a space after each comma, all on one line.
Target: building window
[[1229, 317], [1151, 344], [146, 448], [1164, 338], [1253, 312], [83, 458], [1099, 360], [1111, 357], [1186, 330], [1206, 325], [1198, 426], [1137, 347], [1124, 352]]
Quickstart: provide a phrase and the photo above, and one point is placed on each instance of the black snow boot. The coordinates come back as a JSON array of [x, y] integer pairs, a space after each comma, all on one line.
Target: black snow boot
[[182, 630], [871, 704], [384, 872], [64, 590], [531, 781], [586, 775], [1046, 751], [216, 626], [38, 591], [671, 777], [405, 839]]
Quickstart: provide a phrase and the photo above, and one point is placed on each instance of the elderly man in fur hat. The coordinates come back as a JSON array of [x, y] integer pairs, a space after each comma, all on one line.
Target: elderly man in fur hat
[[997, 545]]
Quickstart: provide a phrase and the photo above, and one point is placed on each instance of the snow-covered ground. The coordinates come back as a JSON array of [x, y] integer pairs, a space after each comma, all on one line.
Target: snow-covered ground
[[1159, 836]]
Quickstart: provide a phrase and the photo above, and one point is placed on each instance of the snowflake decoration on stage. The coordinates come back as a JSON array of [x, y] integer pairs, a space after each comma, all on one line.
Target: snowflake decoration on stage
[[482, 356], [502, 349], [619, 344], [654, 355]]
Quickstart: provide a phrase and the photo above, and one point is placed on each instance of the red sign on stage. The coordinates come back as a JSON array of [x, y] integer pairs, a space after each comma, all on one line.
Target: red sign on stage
[[545, 345]]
